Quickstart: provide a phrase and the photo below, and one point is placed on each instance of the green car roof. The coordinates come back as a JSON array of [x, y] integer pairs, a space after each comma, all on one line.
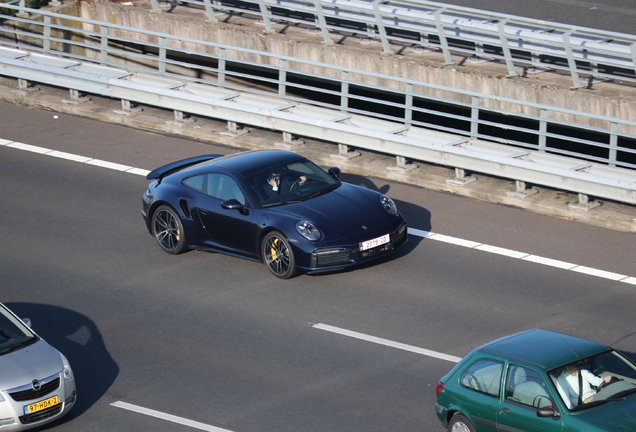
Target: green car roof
[[544, 348]]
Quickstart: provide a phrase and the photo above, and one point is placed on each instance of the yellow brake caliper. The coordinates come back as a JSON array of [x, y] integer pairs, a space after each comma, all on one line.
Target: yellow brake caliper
[[273, 250]]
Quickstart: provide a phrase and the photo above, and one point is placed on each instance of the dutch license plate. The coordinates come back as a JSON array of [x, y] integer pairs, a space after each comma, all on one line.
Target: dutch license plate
[[369, 244], [39, 406]]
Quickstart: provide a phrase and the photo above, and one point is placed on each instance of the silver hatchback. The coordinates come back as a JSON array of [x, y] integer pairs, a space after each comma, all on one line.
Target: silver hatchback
[[37, 384]]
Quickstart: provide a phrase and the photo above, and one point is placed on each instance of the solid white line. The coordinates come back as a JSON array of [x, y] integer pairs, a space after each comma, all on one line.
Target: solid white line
[[69, 156], [549, 262], [109, 165], [501, 251], [419, 233], [453, 240], [387, 342], [29, 147], [599, 273], [413, 231], [168, 417]]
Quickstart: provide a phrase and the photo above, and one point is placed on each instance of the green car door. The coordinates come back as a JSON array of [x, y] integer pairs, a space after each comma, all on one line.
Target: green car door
[[526, 395]]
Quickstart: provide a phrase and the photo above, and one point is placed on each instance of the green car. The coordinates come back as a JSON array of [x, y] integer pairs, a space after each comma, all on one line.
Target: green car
[[539, 381]]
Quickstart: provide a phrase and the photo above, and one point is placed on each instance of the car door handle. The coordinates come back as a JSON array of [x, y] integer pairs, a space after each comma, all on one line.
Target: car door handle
[[505, 410]]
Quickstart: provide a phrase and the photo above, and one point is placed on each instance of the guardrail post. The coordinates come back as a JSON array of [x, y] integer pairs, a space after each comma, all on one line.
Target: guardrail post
[[289, 141], [154, 6], [401, 165], [209, 10], [460, 178], [75, 98], [521, 190], [543, 130], [179, 119], [24, 87], [127, 109], [442, 37], [474, 118], [386, 49], [265, 16], [233, 130], [322, 23], [344, 153], [506, 50], [103, 45], [613, 144], [571, 61], [584, 203]]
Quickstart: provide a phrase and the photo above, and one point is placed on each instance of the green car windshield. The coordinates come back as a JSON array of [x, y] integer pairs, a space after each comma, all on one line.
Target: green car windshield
[[595, 380]]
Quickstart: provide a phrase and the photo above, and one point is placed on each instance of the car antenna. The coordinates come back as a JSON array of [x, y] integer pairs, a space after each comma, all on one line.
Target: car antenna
[[573, 350]]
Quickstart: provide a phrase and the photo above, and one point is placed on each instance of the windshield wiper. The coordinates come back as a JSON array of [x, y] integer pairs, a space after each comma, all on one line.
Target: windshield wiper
[[324, 191], [18, 346]]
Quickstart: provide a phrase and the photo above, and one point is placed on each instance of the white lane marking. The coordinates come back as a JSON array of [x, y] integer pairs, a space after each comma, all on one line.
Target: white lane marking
[[599, 273], [501, 251], [524, 256], [168, 417], [416, 232], [74, 157], [387, 342], [549, 262]]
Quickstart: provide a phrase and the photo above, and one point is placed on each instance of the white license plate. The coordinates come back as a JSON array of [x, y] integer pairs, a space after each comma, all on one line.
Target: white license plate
[[370, 244]]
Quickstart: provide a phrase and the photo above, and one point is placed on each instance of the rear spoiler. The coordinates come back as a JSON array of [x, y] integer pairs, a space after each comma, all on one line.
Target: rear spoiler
[[178, 166]]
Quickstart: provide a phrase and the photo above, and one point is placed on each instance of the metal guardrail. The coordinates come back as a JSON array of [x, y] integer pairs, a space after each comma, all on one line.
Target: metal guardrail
[[453, 30], [92, 60]]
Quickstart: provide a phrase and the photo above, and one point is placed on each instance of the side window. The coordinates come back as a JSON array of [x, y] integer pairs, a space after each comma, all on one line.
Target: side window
[[224, 188], [483, 376], [526, 387], [198, 183]]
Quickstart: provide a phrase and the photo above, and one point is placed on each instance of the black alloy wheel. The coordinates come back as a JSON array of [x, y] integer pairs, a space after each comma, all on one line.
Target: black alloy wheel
[[168, 230], [278, 256]]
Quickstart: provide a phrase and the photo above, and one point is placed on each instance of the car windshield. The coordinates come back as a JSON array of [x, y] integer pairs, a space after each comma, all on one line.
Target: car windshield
[[287, 183], [14, 334], [595, 380]]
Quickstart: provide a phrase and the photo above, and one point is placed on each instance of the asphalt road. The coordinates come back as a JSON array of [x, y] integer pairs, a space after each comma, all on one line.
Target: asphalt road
[[218, 340], [608, 15]]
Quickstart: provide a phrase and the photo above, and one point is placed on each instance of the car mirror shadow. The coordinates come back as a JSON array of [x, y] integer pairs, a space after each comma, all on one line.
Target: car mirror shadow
[[78, 338]]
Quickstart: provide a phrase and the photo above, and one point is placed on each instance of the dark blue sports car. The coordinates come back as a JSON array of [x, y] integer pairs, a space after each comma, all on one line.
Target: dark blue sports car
[[272, 206]]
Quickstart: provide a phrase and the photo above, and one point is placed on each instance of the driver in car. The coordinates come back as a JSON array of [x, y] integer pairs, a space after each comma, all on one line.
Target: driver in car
[[573, 379], [278, 183]]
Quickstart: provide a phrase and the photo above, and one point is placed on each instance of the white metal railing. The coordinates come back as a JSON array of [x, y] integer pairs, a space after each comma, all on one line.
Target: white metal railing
[[90, 58], [512, 40]]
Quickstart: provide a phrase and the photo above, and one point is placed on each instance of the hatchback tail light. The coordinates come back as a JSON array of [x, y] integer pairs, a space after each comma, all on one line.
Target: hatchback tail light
[[439, 388]]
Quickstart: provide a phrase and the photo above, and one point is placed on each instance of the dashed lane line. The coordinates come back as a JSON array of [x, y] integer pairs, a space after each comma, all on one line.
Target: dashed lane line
[[387, 342], [524, 256], [412, 231], [168, 417]]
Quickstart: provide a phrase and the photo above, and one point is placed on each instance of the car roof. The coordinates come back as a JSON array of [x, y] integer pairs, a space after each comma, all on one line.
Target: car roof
[[544, 348], [249, 162]]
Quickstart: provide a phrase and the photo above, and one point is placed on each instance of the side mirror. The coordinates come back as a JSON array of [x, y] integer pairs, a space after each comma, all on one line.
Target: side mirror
[[334, 172], [232, 204], [27, 322], [548, 412]]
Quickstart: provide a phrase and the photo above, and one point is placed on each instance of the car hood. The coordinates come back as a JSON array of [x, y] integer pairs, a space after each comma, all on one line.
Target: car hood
[[614, 416], [36, 361], [348, 211]]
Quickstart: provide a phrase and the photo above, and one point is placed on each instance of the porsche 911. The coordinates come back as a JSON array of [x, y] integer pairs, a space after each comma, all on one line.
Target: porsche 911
[[273, 206]]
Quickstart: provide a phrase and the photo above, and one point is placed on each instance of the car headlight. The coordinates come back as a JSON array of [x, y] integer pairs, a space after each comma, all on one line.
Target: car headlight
[[308, 230], [66, 371], [388, 205]]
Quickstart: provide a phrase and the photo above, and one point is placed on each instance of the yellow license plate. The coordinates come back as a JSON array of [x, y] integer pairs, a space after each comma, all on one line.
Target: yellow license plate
[[39, 406]]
